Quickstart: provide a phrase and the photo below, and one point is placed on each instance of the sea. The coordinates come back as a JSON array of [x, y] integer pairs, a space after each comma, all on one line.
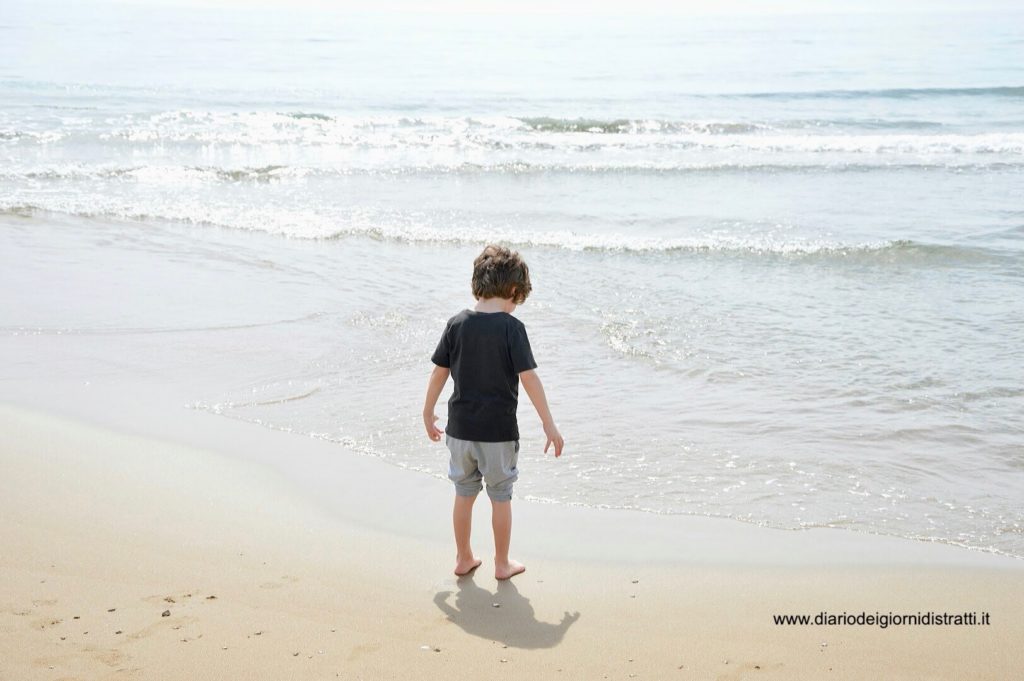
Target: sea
[[778, 260]]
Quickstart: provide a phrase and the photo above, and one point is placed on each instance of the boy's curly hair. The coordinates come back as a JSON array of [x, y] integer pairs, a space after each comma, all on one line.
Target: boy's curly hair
[[499, 272]]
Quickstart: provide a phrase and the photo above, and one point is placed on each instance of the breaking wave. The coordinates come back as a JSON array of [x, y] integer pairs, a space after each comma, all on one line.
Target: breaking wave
[[742, 241]]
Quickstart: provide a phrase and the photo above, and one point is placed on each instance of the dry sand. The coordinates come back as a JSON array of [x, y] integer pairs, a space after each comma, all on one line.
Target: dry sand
[[196, 547]]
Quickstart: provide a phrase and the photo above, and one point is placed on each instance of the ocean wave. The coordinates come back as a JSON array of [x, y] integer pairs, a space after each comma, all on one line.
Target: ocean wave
[[80, 172], [507, 135], [1014, 91], [173, 174], [630, 126], [743, 240], [1011, 91], [36, 136]]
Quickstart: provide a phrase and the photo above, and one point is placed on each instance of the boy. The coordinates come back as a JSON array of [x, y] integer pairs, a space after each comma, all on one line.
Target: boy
[[487, 354]]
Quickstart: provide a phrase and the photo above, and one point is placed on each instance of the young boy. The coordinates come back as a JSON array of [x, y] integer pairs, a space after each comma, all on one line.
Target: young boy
[[487, 354]]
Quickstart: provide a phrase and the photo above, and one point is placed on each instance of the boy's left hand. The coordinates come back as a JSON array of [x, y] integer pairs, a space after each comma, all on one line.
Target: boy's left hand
[[554, 438], [433, 432]]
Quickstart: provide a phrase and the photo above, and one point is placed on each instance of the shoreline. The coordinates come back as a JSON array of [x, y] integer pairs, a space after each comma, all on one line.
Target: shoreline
[[217, 349], [107, 523], [326, 463]]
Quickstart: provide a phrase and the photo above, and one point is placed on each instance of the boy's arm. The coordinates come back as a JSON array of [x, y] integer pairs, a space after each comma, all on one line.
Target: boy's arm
[[534, 388], [438, 377]]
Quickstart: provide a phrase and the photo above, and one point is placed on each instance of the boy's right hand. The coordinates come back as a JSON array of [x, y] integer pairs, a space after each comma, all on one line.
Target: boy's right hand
[[433, 432], [554, 438]]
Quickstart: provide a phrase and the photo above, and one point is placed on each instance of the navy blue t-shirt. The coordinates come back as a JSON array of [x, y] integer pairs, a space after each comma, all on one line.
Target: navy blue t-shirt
[[485, 351]]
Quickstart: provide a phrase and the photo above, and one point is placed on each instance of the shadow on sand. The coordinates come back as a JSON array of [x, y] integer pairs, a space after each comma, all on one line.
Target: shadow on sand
[[513, 623]]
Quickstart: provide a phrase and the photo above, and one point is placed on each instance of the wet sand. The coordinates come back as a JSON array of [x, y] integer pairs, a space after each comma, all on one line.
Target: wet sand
[[178, 549]]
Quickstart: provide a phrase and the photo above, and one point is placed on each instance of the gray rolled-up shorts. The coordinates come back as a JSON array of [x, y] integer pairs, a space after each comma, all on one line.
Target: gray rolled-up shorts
[[492, 462]]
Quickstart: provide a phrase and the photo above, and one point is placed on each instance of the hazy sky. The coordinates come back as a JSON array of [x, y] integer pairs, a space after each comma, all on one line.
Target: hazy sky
[[633, 7]]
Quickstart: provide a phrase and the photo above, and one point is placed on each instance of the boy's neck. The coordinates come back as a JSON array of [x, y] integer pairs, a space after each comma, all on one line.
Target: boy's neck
[[495, 305]]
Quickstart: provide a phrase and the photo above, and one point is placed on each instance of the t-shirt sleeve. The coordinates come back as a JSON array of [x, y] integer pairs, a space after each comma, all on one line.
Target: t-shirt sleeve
[[519, 347], [442, 356]]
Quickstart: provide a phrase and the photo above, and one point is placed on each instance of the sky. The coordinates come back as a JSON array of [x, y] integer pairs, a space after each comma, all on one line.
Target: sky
[[695, 7]]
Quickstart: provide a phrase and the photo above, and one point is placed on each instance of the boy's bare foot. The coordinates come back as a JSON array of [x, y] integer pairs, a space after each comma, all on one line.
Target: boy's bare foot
[[508, 570], [464, 567]]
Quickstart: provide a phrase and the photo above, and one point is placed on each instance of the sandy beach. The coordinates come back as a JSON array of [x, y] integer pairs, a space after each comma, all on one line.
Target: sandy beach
[[776, 276], [177, 551]]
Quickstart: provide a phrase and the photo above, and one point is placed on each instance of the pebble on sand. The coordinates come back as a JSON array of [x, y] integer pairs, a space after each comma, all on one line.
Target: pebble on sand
[[165, 613]]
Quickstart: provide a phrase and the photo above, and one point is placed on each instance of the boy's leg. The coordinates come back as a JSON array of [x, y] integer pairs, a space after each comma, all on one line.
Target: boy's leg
[[498, 465], [501, 524], [462, 520], [463, 471]]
